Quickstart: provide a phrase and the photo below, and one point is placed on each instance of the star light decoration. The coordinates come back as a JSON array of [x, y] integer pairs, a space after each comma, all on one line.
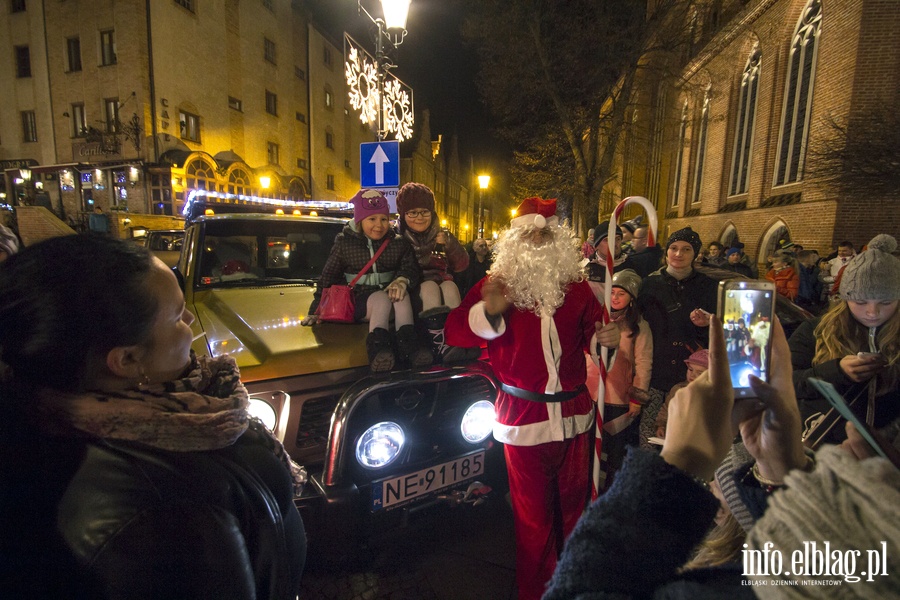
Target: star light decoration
[[361, 73]]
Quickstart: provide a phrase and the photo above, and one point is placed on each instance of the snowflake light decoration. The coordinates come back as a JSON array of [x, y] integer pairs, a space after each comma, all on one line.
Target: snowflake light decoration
[[398, 113], [362, 80], [361, 74]]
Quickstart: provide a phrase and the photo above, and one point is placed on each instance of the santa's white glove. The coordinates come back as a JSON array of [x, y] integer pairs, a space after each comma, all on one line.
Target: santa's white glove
[[396, 290]]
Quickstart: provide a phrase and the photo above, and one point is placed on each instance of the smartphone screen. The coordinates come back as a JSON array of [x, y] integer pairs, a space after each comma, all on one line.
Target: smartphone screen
[[746, 309]]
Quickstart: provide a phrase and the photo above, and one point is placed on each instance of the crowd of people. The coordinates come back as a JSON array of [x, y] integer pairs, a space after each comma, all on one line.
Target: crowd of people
[[139, 472]]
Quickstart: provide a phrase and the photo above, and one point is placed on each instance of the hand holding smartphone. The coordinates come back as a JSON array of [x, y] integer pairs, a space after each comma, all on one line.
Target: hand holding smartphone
[[747, 310]]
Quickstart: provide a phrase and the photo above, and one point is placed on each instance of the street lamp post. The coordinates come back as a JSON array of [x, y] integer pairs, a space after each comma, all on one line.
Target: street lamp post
[[393, 29], [483, 182]]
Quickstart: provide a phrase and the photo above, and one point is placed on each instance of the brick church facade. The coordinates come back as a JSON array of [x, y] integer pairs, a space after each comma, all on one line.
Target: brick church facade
[[727, 144]]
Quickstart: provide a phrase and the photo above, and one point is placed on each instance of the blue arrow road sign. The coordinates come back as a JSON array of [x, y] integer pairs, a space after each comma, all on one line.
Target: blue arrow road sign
[[379, 164]]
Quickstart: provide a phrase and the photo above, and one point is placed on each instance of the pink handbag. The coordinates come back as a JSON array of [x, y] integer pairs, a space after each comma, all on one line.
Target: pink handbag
[[336, 304]]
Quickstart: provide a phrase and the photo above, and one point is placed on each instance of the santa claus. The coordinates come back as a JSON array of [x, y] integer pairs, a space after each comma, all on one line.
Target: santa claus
[[539, 317]]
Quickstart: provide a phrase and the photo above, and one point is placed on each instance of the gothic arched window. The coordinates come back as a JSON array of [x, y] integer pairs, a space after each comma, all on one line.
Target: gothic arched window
[[798, 93], [743, 131]]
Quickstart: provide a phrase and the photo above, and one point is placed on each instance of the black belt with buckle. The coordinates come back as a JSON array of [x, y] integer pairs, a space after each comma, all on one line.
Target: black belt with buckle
[[538, 397]]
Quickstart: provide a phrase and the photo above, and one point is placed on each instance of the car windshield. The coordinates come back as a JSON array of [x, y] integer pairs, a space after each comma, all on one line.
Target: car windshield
[[258, 252]]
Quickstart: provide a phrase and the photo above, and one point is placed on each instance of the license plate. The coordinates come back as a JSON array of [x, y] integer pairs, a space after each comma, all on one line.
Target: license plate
[[393, 492]]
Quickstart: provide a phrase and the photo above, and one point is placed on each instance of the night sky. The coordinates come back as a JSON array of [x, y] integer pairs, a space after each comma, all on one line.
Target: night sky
[[435, 62]]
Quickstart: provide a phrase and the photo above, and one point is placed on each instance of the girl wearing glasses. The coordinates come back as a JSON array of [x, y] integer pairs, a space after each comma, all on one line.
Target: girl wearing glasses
[[440, 255]]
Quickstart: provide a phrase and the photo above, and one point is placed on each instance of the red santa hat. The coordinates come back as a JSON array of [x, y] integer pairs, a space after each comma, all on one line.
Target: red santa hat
[[535, 212]]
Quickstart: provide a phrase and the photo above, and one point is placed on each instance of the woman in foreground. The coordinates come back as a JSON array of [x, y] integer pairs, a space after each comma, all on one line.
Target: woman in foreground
[[130, 467]]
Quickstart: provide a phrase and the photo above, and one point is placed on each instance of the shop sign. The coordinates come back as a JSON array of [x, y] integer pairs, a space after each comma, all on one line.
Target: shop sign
[[17, 163], [88, 151]]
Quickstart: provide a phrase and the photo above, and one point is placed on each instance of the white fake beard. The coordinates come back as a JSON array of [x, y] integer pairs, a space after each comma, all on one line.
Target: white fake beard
[[536, 277]]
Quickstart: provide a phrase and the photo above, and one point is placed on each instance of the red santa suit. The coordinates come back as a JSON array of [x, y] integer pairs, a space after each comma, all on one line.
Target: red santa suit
[[547, 443]]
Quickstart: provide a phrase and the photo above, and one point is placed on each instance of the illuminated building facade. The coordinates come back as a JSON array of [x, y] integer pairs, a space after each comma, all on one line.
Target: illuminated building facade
[[131, 104]]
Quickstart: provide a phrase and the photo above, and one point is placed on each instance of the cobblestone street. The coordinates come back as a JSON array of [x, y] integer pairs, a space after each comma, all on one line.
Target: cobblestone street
[[452, 554]]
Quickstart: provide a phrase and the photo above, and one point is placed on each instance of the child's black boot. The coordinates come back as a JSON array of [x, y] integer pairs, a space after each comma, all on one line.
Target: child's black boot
[[379, 348], [409, 349]]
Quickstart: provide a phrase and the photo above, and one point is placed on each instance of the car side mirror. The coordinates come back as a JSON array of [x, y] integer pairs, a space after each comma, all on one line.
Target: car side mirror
[[179, 277]]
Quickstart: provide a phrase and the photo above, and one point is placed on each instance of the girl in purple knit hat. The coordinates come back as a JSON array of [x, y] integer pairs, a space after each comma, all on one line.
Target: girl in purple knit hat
[[383, 289]]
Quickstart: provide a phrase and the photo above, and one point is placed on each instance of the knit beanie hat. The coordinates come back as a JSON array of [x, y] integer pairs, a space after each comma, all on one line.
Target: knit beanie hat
[[731, 251], [601, 232], [414, 195], [686, 235], [628, 280], [8, 241], [700, 357], [846, 502], [367, 203], [873, 274], [736, 458]]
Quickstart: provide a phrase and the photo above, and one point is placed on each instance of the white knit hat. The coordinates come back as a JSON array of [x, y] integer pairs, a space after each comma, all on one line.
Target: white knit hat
[[873, 274]]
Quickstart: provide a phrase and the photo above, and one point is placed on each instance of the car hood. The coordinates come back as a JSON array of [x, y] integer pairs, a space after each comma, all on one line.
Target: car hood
[[260, 328]]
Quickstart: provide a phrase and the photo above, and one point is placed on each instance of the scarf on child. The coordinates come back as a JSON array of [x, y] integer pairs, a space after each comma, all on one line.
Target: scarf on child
[[206, 409]]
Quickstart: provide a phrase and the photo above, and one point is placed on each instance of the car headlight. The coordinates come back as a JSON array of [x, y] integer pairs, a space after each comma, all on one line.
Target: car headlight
[[263, 411], [478, 422], [380, 445]]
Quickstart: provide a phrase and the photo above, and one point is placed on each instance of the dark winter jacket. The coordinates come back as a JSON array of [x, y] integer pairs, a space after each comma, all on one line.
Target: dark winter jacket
[[645, 261], [810, 286], [350, 253], [103, 519], [475, 272], [739, 268], [803, 349], [632, 540], [666, 304]]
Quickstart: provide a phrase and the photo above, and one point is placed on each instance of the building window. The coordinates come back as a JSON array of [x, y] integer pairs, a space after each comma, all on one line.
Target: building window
[[329, 182], [329, 139], [73, 54], [679, 159], [235, 104], [190, 126], [200, 175], [299, 73], [269, 50], [161, 193], [701, 149], [301, 117], [18, 6], [301, 163], [326, 55], [271, 103], [29, 127], [801, 75], [188, 4], [272, 153], [239, 183], [107, 47], [23, 61], [329, 99], [111, 114], [79, 123], [743, 132]]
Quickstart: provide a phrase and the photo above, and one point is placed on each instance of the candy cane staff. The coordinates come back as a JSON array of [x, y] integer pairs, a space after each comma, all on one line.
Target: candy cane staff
[[604, 361]]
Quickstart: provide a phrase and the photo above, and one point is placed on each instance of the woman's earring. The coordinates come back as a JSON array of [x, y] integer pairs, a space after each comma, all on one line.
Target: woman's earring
[[143, 379]]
